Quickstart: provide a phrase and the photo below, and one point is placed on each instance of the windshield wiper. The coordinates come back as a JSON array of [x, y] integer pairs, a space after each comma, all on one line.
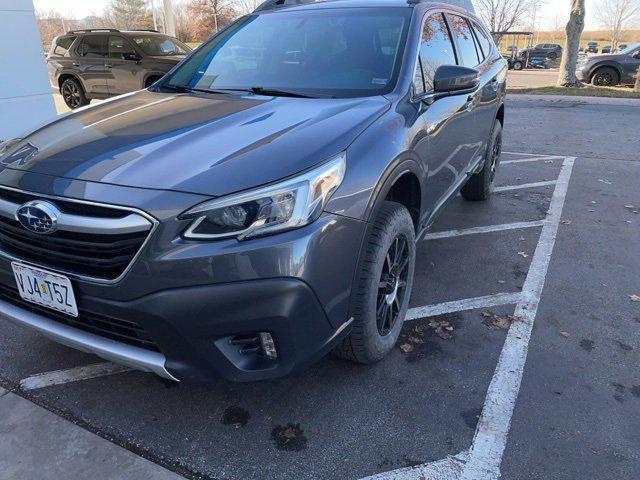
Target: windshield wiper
[[183, 89], [274, 92]]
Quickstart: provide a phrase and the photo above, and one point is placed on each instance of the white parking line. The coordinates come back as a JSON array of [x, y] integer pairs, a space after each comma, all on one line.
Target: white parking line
[[482, 461], [485, 229], [507, 188], [464, 304], [490, 439], [58, 377], [527, 154], [527, 160]]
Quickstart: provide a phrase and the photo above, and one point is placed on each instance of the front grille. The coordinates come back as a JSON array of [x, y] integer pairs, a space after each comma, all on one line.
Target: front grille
[[102, 256], [124, 331]]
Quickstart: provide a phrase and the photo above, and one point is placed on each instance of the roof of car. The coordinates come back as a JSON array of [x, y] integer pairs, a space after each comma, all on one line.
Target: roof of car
[[271, 5]]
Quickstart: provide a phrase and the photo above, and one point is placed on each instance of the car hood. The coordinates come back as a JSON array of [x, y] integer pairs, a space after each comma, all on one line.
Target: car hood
[[206, 144]]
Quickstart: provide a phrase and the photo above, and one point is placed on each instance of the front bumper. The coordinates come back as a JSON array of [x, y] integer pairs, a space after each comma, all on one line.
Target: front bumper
[[194, 327]]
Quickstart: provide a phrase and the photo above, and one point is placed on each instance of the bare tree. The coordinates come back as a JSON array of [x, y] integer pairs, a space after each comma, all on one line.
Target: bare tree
[[244, 7], [575, 26], [128, 14], [616, 16], [504, 15]]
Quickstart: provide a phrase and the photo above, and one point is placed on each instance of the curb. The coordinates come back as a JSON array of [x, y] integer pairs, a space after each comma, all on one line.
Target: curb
[[635, 102]]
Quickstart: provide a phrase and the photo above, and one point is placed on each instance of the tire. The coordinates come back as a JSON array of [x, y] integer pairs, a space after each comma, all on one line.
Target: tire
[[379, 311], [518, 65], [605, 77], [73, 94], [480, 185]]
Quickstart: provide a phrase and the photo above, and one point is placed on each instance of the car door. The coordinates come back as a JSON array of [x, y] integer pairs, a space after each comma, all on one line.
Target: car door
[[90, 64], [467, 55], [124, 65], [493, 76], [445, 124], [630, 64]]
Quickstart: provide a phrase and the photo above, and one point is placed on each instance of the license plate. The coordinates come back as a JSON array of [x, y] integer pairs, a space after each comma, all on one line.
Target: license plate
[[48, 289]]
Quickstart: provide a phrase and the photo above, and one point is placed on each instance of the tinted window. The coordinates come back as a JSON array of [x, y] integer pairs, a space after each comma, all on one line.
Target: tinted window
[[338, 52], [483, 38], [436, 48], [62, 45], [160, 45], [93, 46], [118, 46], [464, 40]]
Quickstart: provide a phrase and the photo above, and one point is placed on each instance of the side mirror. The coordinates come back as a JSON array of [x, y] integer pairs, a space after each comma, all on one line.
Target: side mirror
[[134, 57], [453, 79]]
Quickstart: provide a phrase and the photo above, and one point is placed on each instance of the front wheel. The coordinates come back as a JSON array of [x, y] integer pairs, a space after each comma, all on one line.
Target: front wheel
[[518, 65], [480, 185], [73, 93], [383, 286], [605, 77]]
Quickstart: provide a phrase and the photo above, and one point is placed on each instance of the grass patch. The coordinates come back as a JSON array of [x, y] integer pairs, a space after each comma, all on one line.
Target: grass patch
[[585, 91]]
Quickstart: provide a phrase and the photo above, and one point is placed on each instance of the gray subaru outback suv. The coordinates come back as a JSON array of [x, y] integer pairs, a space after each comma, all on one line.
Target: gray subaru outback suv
[[260, 205], [102, 63]]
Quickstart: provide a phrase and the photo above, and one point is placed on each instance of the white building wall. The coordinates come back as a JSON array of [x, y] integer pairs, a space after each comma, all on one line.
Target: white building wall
[[25, 94]]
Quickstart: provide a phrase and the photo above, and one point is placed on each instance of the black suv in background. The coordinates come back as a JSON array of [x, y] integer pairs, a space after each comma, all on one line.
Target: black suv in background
[[99, 63], [259, 206], [552, 51]]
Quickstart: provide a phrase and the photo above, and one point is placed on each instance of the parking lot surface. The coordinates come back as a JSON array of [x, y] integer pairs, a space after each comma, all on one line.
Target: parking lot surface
[[519, 356]]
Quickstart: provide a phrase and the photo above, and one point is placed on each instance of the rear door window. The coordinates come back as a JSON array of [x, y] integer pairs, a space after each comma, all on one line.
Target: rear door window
[[62, 45], [483, 39], [93, 46], [460, 29], [118, 47], [436, 48]]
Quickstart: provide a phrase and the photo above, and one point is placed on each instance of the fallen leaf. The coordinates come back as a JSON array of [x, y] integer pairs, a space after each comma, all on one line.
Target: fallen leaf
[[566, 222], [523, 254], [289, 433], [634, 298], [564, 334], [440, 332], [501, 281], [632, 207], [415, 340], [608, 182], [406, 347], [486, 314]]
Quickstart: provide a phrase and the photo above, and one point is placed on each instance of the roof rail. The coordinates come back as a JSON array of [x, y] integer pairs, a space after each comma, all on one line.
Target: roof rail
[[144, 30], [89, 30], [269, 4]]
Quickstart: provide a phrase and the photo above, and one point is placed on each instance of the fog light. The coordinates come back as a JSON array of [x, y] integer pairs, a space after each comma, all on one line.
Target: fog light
[[268, 346]]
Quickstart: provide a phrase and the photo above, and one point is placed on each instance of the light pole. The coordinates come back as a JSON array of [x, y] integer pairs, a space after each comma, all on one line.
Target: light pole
[[153, 13], [169, 23]]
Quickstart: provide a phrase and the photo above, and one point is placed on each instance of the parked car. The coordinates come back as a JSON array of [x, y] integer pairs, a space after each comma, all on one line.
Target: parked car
[[99, 63], [612, 69], [592, 47], [259, 206], [552, 51], [622, 46]]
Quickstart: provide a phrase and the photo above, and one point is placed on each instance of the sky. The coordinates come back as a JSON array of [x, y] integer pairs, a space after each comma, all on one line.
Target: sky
[[82, 8]]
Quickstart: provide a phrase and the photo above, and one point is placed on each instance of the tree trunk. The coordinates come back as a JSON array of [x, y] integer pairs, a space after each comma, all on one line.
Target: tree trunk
[[637, 87], [575, 26]]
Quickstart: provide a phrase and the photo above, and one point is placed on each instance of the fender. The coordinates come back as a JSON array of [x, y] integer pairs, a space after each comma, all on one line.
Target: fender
[[607, 63]]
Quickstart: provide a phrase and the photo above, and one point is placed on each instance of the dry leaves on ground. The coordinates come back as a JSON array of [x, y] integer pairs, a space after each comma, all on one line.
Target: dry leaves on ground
[[502, 322], [634, 298], [523, 254], [564, 334]]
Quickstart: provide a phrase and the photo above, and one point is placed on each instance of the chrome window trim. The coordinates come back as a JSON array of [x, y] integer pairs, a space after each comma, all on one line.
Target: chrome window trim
[[442, 9], [104, 281]]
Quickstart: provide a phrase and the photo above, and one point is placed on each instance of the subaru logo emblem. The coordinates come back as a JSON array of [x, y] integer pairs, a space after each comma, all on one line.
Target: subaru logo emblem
[[38, 216]]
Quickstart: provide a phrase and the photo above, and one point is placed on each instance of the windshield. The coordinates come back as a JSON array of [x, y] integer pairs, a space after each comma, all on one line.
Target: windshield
[[160, 45], [320, 52], [629, 50]]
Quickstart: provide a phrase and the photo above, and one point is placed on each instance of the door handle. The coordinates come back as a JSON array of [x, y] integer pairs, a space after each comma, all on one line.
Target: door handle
[[75, 64]]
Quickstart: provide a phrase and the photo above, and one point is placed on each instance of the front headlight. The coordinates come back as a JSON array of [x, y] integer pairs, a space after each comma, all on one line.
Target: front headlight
[[289, 204]]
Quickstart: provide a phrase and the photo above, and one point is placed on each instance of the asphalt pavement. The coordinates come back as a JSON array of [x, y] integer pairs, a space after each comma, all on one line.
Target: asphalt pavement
[[519, 358]]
